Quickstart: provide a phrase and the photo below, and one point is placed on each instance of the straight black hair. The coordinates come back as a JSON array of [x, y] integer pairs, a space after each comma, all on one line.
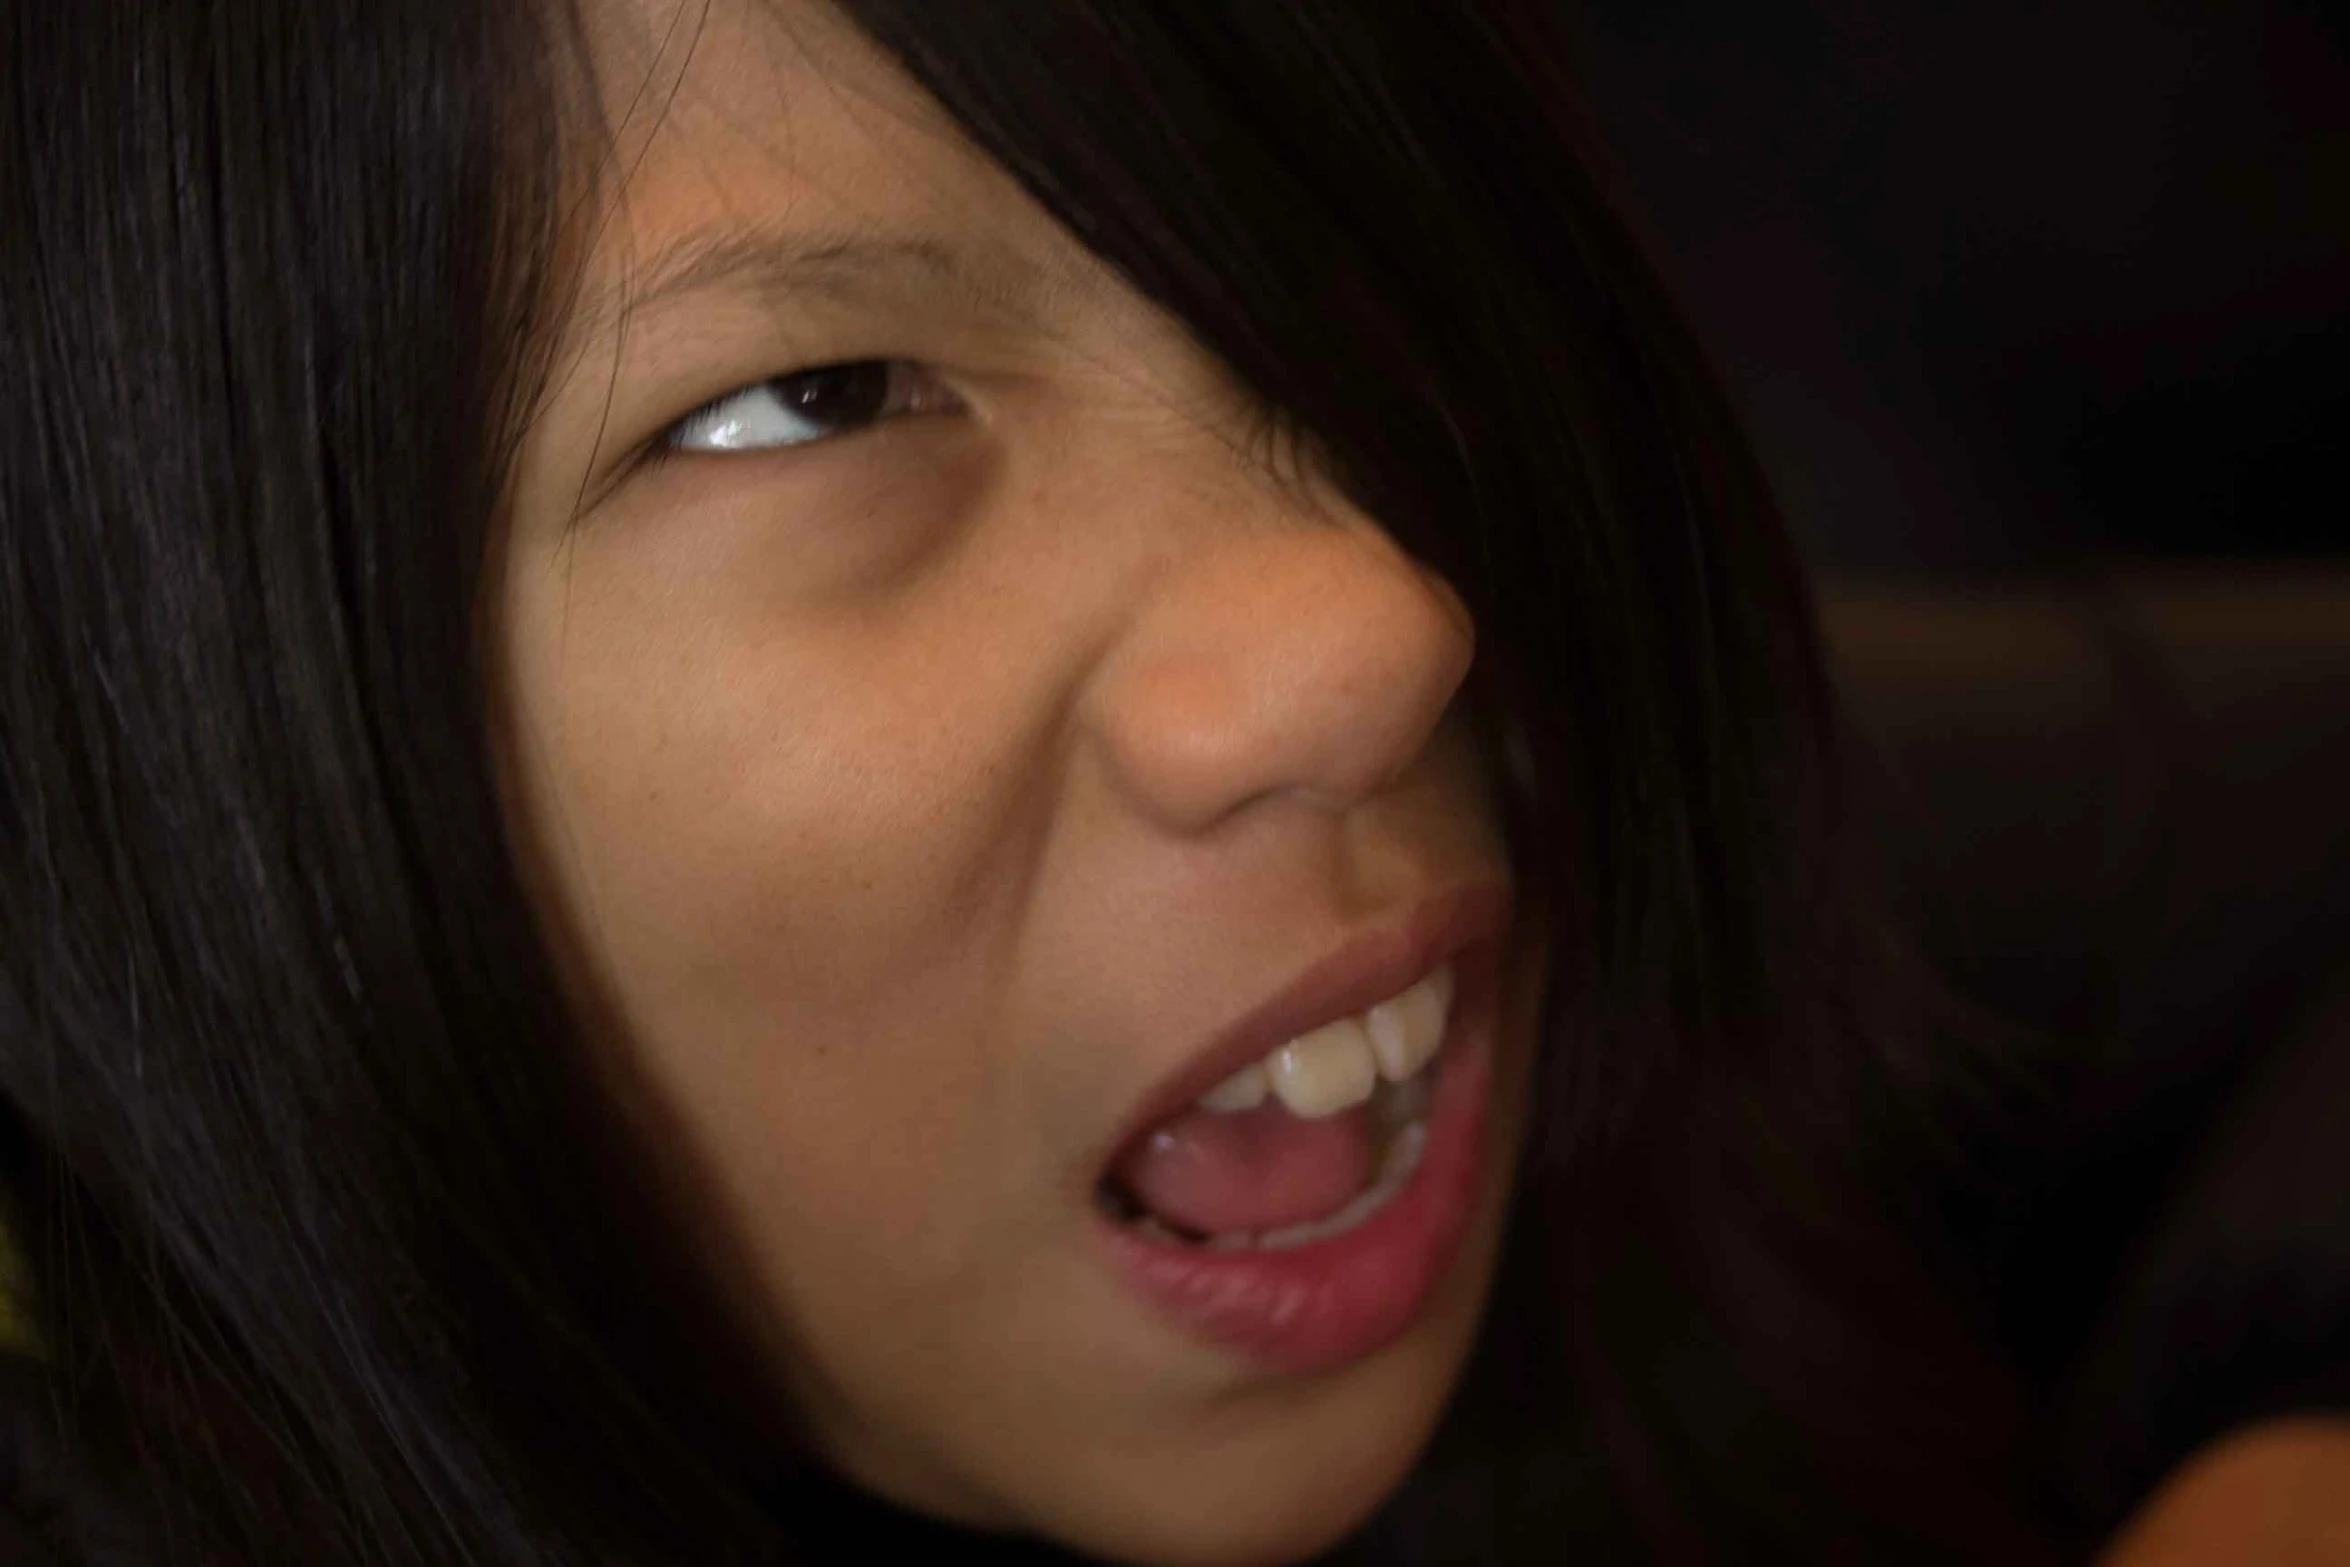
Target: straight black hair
[[334, 1239]]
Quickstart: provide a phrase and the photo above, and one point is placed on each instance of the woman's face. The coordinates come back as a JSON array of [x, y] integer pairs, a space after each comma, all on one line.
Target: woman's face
[[929, 767]]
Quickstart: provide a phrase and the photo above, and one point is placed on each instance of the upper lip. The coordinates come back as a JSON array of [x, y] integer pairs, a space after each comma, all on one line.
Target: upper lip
[[1367, 970]]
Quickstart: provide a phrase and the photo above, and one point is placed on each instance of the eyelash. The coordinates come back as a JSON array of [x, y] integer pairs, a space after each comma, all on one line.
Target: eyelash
[[903, 388]]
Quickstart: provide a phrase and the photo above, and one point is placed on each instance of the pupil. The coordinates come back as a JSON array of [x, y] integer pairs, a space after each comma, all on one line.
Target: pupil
[[839, 394]]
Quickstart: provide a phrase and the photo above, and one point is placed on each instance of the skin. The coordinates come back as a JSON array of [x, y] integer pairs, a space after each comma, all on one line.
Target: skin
[[911, 803], [2271, 1493]]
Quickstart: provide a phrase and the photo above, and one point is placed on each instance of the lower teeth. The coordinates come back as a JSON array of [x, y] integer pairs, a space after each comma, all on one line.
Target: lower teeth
[[1399, 1112], [1403, 1157]]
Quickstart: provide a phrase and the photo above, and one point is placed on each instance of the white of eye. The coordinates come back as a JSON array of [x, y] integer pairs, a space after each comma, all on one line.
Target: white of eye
[[808, 405]]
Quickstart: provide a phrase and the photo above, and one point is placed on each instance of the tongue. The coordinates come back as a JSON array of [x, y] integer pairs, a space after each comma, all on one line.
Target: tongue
[[1257, 1170]]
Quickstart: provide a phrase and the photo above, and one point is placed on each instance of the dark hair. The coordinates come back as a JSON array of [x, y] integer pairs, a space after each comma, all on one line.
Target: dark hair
[[325, 1219]]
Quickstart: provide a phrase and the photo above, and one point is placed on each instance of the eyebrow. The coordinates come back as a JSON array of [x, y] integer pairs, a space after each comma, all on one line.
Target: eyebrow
[[771, 262]]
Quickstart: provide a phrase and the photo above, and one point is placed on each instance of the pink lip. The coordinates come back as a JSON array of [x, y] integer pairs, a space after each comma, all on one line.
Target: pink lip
[[1334, 1301], [1357, 976]]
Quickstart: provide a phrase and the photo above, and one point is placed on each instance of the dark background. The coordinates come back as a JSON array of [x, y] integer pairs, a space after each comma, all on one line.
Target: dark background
[[2006, 285], [2045, 292]]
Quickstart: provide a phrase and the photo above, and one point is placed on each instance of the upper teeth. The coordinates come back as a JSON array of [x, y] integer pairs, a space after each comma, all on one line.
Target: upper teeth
[[1335, 1067]]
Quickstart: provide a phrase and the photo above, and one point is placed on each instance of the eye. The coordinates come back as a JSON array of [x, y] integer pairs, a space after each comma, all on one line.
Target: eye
[[809, 405]]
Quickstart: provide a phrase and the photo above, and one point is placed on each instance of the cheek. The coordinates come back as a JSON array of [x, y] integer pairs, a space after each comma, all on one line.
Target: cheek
[[780, 861]]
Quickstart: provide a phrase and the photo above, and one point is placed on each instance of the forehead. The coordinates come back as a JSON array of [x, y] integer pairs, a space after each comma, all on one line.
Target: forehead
[[729, 125]]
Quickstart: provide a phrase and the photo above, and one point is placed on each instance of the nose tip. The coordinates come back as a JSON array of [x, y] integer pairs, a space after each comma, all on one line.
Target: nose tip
[[1316, 664]]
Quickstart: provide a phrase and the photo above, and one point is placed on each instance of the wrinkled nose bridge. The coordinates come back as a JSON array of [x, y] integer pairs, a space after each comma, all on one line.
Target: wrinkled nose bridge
[[1314, 659]]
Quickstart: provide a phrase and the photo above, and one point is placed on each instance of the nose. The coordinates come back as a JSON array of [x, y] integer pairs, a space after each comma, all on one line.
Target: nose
[[1313, 660]]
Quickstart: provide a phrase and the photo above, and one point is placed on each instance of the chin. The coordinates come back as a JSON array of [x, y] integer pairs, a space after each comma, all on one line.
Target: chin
[[1247, 1508], [1294, 1465]]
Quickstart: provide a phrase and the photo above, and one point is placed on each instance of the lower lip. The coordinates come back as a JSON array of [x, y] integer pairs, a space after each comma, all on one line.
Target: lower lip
[[1322, 1305]]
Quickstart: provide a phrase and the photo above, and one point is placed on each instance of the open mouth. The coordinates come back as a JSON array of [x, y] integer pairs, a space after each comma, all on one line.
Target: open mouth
[[1303, 1146], [1303, 1208]]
